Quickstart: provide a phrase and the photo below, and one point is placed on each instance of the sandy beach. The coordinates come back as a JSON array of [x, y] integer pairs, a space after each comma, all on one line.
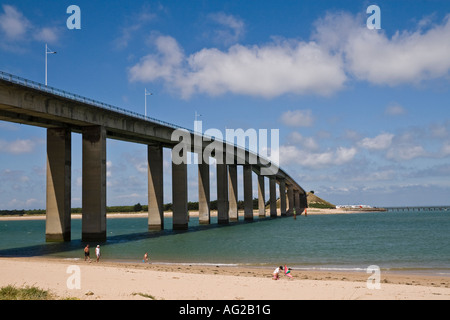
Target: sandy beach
[[124, 281]]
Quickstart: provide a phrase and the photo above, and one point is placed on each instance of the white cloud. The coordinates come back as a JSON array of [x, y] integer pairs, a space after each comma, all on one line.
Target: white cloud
[[165, 65], [12, 23], [293, 155], [17, 29], [47, 34], [445, 150], [341, 48], [109, 167], [306, 142], [268, 71], [17, 147], [395, 110], [135, 23], [232, 28], [380, 142], [406, 57], [406, 152], [297, 118]]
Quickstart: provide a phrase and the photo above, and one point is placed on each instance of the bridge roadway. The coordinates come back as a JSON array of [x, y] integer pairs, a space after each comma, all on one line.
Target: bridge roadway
[[61, 113]]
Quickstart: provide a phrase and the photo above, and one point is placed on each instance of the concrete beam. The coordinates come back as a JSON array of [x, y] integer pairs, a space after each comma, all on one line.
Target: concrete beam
[[58, 222], [155, 187], [94, 184], [204, 212]]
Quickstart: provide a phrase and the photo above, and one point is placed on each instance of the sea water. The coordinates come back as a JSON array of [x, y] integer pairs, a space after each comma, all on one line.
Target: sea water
[[403, 240]]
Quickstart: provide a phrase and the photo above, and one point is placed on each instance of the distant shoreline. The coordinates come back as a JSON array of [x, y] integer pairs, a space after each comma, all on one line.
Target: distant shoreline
[[310, 211]]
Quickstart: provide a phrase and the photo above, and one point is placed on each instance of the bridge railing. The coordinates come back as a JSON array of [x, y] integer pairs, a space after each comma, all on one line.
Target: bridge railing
[[62, 93]]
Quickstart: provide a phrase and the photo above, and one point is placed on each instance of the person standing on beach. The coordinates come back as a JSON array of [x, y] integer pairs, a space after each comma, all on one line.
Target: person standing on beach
[[97, 252], [145, 260], [86, 253]]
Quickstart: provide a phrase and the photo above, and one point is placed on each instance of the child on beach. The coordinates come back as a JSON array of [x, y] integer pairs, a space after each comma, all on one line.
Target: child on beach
[[97, 252], [276, 273], [287, 272], [145, 260]]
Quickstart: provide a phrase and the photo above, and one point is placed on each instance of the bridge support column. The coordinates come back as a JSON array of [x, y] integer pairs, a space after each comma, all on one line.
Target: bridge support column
[[93, 227], [303, 202], [58, 222], [179, 196], [291, 201], [248, 193], [233, 193], [282, 197], [273, 197], [204, 215], [155, 188], [298, 209], [222, 194], [261, 197]]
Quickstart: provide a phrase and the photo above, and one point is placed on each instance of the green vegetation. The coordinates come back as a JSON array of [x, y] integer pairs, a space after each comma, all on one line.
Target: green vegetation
[[316, 202], [116, 209], [11, 292]]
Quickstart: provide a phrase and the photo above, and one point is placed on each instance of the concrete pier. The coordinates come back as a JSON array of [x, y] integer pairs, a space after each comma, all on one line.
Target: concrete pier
[[261, 197], [297, 205], [248, 193], [222, 194], [94, 184], [290, 200], [155, 187], [58, 222], [179, 196], [232, 193], [273, 197], [204, 210], [282, 197]]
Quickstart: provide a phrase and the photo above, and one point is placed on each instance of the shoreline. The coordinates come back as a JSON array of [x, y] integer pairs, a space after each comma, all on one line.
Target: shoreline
[[310, 211], [109, 280]]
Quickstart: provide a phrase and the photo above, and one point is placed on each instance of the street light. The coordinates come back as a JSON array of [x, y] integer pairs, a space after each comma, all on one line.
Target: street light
[[196, 124], [46, 53], [146, 94]]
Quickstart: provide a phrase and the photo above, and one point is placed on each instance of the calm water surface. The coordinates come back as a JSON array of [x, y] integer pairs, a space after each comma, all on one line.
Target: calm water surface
[[416, 241]]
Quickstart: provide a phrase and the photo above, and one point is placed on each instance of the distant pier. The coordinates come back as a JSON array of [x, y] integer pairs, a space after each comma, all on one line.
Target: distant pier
[[430, 208]]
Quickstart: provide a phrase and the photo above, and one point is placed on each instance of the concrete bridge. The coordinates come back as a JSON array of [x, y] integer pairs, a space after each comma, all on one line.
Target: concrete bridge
[[61, 113]]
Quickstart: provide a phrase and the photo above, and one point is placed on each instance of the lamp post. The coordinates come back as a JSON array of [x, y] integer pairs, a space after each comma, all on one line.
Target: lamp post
[[196, 124], [46, 53], [146, 94]]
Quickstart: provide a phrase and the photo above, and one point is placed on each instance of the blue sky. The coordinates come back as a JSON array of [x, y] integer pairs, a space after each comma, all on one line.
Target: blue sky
[[363, 115]]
